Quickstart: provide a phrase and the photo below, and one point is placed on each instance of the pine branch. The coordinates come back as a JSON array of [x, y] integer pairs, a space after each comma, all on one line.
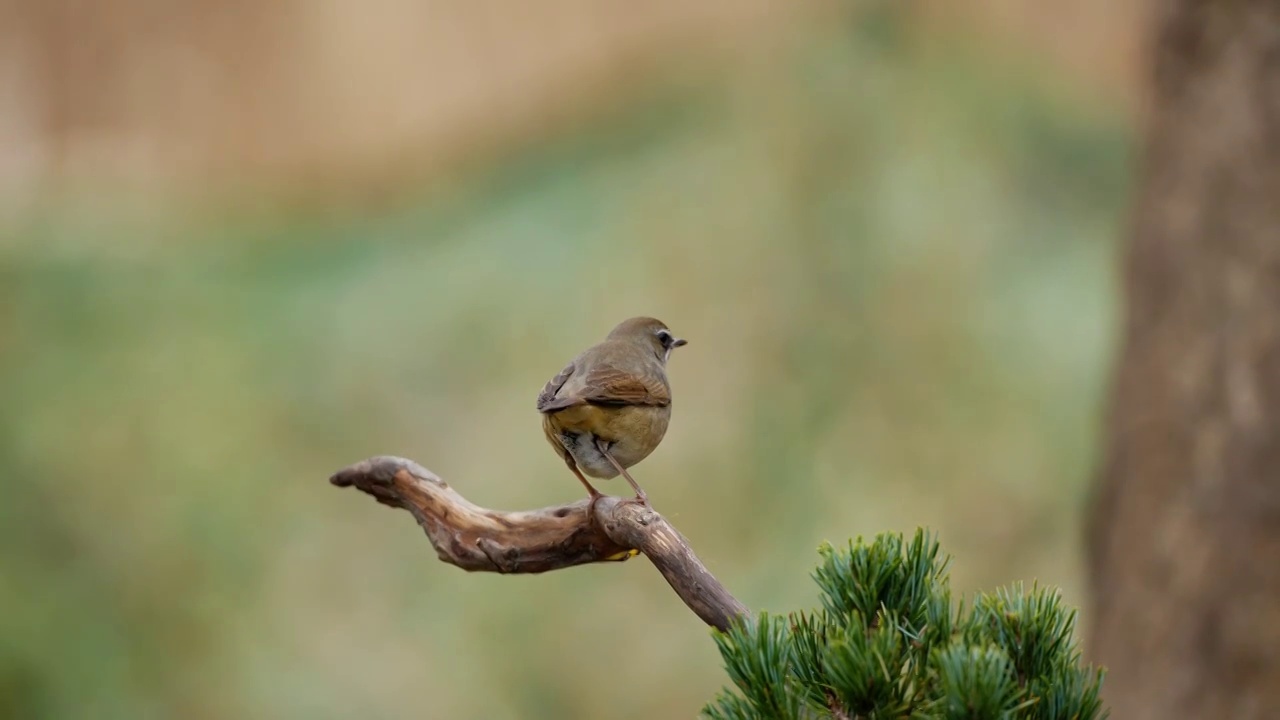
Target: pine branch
[[888, 643], [533, 541]]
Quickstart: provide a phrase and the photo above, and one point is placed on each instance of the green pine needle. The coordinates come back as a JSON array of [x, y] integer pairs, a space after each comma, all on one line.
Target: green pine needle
[[888, 643]]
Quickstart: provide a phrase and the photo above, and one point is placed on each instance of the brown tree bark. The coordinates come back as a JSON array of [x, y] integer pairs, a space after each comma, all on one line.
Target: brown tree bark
[[1185, 542], [612, 529]]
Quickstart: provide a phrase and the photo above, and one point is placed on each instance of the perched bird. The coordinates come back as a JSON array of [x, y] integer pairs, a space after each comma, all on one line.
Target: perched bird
[[610, 407]]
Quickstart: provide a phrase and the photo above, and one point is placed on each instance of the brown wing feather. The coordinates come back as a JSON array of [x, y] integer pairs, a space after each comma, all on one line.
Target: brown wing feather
[[548, 394], [610, 386], [606, 385]]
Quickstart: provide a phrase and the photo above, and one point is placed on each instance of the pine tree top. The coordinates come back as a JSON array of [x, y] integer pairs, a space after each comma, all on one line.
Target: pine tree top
[[888, 642]]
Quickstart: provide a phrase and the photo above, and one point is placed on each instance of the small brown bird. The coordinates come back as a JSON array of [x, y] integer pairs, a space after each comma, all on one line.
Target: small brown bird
[[610, 407]]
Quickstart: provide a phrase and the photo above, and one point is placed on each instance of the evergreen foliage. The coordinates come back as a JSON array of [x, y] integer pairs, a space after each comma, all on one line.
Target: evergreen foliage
[[888, 643]]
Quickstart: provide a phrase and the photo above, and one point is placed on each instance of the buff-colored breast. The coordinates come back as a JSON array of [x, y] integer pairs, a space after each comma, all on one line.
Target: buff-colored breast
[[632, 433]]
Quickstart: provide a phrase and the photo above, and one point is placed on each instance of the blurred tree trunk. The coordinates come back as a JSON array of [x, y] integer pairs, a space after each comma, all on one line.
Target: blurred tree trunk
[[1185, 545]]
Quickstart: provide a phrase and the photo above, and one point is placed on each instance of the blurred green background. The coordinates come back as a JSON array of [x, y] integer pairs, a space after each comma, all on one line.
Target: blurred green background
[[890, 242]]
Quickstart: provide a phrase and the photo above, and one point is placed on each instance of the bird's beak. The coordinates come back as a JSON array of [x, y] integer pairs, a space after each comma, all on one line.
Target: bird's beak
[[678, 342]]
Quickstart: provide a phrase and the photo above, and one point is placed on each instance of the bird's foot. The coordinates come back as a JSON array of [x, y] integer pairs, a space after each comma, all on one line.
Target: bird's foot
[[591, 506]]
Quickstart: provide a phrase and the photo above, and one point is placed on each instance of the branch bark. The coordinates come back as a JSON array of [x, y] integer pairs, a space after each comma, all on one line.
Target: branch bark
[[533, 541]]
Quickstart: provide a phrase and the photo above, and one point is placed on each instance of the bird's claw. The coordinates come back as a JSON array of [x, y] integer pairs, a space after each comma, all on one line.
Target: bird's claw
[[591, 507]]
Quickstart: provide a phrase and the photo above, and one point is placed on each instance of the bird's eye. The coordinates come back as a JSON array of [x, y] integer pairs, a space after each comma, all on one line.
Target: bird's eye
[[665, 338]]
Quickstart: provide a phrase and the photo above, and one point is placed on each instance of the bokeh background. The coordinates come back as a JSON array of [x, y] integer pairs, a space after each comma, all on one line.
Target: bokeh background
[[245, 244]]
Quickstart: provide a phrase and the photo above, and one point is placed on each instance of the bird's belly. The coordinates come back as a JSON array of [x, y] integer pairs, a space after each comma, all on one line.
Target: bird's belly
[[630, 434], [590, 460]]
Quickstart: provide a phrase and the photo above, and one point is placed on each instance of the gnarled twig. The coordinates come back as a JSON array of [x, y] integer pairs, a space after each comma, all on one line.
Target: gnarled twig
[[534, 541]]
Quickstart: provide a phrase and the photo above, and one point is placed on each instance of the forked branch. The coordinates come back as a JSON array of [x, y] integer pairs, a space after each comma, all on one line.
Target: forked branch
[[534, 541]]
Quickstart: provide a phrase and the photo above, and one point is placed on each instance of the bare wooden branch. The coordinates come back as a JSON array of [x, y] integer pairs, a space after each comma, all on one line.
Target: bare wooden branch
[[534, 541]]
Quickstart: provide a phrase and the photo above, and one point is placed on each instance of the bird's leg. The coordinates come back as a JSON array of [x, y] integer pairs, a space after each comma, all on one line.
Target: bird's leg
[[593, 493], [640, 494]]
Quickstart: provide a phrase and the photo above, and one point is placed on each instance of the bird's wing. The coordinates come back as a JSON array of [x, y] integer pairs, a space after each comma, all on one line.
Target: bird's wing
[[607, 385], [548, 394]]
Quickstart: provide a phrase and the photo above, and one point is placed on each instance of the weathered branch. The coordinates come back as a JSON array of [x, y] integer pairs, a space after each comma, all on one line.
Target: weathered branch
[[533, 541]]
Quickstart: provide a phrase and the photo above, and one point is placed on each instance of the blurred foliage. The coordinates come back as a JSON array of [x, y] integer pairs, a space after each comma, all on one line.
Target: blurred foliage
[[892, 259], [888, 643]]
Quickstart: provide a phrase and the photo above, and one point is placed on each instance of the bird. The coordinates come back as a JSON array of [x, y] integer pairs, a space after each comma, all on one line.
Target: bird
[[610, 407]]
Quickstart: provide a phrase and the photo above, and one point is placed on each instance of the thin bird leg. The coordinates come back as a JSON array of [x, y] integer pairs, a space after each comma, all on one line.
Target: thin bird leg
[[640, 494], [593, 493]]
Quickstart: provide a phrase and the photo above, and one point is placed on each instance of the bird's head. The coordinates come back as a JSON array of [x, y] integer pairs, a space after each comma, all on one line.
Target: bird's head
[[649, 332]]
